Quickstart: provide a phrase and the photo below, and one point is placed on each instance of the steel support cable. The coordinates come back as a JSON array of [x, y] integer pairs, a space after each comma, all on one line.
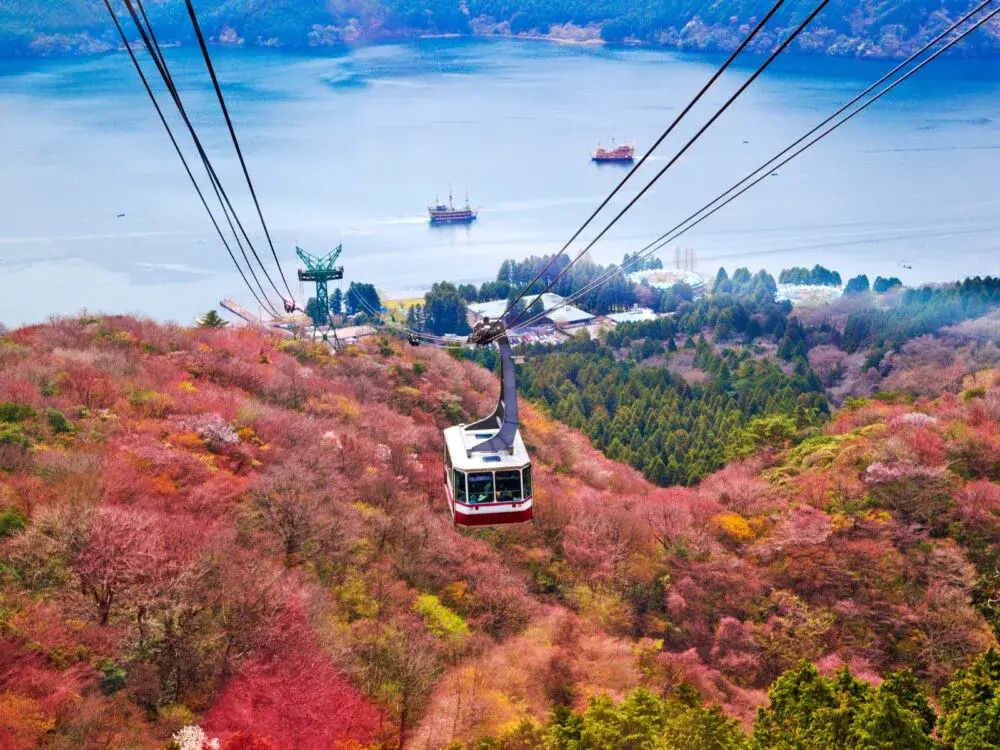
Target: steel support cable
[[221, 196], [236, 143], [229, 213], [220, 192], [180, 154], [660, 243], [711, 81], [746, 84]]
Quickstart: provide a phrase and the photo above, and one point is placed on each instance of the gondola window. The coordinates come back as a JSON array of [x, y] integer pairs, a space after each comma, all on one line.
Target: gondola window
[[481, 487]]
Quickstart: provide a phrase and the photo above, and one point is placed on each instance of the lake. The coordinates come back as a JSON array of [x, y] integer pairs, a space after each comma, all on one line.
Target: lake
[[350, 148]]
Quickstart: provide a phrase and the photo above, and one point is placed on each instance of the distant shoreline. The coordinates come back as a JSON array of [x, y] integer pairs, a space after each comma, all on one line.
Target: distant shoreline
[[691, 36]]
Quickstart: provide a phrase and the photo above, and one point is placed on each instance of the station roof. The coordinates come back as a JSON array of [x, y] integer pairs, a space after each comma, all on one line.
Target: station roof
[[458, 442], [493, 309], [355, 332], [635, 315], [566, 314]]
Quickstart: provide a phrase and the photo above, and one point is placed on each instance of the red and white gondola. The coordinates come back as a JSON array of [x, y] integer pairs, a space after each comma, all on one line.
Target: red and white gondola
[[487, 468]]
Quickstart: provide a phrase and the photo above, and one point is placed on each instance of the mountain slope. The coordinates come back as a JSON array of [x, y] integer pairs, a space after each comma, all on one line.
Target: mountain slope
[[195, 519]]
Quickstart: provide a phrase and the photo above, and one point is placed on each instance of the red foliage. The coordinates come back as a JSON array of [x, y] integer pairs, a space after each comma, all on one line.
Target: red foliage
[[130, 555], [734, 650], [20, 392], [688, 667], [26, 673], [499, 603], [802, 527], [295, 699], [118, 556], [244, 741], [737, 487], [823, 489], [89, 387], [215, 496], [927, 446], [25, 492], [681, 520], [979, 502], [709, 591], [599, 540], [123, 482]]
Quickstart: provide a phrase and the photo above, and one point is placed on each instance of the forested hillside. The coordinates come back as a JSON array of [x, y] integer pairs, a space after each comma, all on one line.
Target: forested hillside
[[211, 535], [31, 27], [737, 372]]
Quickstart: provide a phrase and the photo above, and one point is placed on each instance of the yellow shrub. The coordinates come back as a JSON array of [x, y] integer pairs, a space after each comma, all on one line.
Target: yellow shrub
[[734, 526], [454, 592], [353, 596], [164, 484], [601, 607], [24, 719], [188, 440], [348, 409], [440, 620], [172, 718]]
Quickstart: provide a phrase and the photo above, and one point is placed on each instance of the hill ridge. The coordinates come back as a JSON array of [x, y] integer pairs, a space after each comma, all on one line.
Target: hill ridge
[[194, 518]]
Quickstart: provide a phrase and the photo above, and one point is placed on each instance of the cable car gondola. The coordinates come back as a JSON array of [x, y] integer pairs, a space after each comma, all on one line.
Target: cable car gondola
[[487, 468]]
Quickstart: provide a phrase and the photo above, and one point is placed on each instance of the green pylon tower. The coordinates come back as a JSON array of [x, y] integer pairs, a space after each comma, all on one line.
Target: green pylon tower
[[321, 270]]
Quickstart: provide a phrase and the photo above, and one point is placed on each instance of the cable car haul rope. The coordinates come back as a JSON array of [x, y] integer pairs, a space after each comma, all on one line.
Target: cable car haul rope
[[142, 24], [487, 469]]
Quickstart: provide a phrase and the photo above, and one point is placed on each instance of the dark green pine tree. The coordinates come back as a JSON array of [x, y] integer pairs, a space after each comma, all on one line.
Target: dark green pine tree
[[692, 726], [971, 705], [810, 712], [883, 724], [800, 714], [903, 684], [722, 283], [857, 285]]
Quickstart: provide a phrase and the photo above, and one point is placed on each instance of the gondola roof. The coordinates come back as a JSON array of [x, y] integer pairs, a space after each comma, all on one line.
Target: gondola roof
[[460, 442]]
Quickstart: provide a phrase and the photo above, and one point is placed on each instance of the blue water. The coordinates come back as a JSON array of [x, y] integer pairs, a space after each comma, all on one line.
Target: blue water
[[351, 148]]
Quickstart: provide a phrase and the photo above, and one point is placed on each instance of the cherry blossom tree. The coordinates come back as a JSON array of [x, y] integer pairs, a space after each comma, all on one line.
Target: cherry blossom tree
[[121, 554]]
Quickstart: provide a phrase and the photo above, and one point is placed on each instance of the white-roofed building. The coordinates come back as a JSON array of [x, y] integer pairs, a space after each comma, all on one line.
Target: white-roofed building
[[566, 316], [492, 310], [353, 334], [635, 315]]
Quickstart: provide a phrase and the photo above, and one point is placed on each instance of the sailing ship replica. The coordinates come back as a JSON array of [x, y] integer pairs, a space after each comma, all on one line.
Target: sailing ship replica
[[448, 214]]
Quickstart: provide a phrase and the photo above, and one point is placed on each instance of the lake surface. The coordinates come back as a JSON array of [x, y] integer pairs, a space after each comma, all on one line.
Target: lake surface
[[351, 148]]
